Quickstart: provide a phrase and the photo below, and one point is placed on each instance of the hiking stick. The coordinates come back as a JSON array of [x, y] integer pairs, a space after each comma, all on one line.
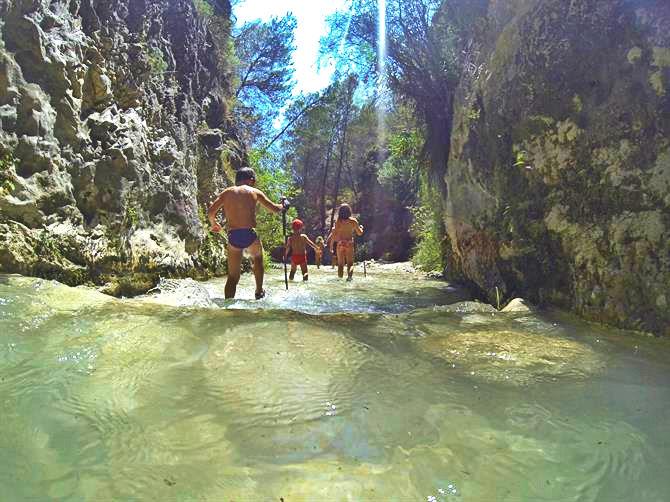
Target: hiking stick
[[283, 219], [365, 254]]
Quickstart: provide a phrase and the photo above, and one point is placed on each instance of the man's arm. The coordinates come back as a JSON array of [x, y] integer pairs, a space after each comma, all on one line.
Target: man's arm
[[329, 240], [211, 213], [267, 203], [358, 228]]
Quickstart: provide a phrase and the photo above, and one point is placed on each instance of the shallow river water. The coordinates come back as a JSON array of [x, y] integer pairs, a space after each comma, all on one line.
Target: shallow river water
[[370, 390]]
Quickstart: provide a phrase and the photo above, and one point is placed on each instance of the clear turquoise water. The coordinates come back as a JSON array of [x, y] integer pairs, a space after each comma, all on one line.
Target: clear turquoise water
[[332, 391]]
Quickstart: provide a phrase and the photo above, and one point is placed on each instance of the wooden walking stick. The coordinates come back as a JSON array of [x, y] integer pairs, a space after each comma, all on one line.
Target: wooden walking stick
[[283, 218]]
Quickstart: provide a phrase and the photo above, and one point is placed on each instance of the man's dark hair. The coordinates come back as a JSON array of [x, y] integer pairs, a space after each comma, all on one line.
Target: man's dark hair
[[244, 174], [344, 213]]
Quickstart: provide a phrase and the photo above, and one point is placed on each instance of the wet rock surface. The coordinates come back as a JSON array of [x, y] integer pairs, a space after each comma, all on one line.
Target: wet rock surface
[[559, 176], [114, 136]]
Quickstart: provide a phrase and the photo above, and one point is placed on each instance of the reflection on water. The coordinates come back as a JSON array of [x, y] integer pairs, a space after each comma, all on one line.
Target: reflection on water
[[332, 391]]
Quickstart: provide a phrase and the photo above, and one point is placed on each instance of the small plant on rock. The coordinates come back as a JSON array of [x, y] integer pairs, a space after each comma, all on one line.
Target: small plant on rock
[[521, 160], [204, 8], [157, 61], [47, 246], [7, 163], [131, 209], [474, 114], [131, 216]]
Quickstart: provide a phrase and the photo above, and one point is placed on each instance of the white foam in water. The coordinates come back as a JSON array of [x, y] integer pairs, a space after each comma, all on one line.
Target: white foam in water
[[180, 293]]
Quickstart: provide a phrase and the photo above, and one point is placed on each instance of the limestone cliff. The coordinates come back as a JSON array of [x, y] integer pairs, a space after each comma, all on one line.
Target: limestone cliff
[[559, 172], [114, 134]]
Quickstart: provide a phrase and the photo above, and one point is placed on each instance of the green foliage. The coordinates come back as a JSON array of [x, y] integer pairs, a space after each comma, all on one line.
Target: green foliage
[[47, 245], [400, 172], [204, 8], [273, 179], [131, 209], [7, 164], [214, 245], [264, 73], [132, 216], [428, 231], [521, 159], [220, 27], [424, 51], [157, 61]]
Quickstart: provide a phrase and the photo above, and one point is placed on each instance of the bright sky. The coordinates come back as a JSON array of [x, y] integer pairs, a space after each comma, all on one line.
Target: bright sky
[[311, 16]]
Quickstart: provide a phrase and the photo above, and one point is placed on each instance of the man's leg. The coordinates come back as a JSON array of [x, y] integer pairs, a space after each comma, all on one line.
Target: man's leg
[[291, 274], [303, 269], [350, 262], [340, 261], [256, 253], [234, 263]]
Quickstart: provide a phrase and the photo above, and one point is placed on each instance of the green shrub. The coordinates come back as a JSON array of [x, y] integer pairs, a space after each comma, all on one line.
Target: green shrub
[[275, 182], [47, 245], [400, 172], [428, 231], [132, 216], [131, 209]]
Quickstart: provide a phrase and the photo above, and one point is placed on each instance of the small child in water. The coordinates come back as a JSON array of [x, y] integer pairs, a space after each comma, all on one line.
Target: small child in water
[[297, 243], [318, 253], [343, 233]]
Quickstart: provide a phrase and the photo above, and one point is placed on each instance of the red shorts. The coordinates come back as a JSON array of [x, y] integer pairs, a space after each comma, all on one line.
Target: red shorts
[[298, 259]]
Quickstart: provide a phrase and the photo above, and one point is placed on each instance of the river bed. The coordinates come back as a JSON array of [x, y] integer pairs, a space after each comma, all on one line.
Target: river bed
[[391, 387]]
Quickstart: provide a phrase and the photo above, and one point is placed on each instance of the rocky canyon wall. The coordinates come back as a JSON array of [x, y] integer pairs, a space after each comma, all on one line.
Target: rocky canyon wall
[[558, 181], [114, 135]]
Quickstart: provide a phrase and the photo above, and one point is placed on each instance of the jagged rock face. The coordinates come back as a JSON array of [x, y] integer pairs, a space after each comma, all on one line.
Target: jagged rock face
[[559, 176], [114, 131]]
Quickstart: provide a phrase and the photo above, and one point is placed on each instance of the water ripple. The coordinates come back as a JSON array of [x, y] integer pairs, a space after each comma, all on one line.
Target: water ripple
[[104, 399]]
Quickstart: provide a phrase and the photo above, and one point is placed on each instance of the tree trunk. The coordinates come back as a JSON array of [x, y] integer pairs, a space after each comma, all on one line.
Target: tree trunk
[[322, 205], [343, 151]]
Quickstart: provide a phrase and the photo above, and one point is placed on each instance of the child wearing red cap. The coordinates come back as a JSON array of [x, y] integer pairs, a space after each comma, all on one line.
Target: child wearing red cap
[[297, 243]]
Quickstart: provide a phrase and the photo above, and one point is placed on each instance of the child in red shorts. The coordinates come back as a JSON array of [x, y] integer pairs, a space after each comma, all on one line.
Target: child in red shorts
[[297, 244]]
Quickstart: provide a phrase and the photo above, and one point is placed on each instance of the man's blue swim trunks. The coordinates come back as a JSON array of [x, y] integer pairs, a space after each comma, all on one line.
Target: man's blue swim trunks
[[242, 238]]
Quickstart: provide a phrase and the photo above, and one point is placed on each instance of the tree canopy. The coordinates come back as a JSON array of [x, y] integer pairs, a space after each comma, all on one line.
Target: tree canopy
[[265, 73]]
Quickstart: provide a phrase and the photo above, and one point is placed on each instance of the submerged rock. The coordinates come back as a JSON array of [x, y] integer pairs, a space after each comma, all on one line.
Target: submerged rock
[[518, 305], [512, 357]]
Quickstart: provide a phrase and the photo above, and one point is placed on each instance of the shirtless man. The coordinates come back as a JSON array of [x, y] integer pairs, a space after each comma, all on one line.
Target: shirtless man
[[239, 206], [343, 233], [297, 243]]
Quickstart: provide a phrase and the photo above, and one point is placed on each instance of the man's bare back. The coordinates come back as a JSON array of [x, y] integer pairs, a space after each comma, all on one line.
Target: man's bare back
[[239, 206], [345, 229]]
